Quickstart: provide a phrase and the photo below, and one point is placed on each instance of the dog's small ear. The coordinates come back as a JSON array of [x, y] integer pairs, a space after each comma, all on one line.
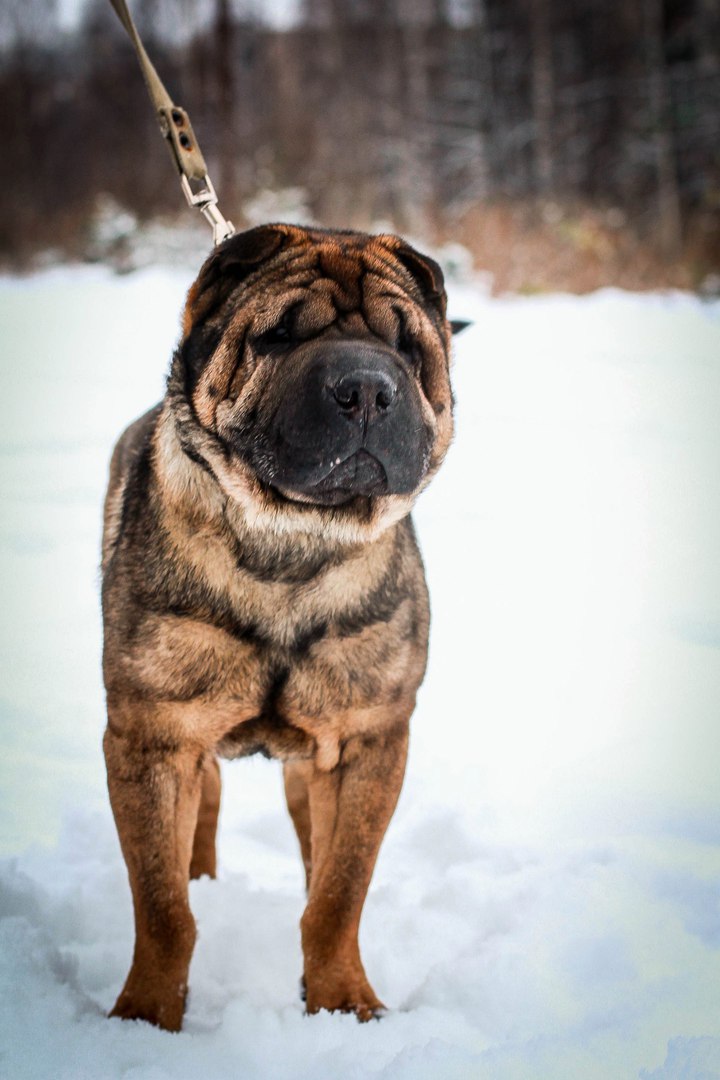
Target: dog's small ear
[[221, 273], [425, 272], [228, 265], [242, 252], [458, 325]]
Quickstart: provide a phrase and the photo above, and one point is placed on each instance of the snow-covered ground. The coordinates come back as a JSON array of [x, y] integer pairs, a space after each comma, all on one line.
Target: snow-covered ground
[[547, 901]]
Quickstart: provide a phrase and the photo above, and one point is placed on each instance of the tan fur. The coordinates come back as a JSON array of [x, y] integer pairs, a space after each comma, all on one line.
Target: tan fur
[[238, 620]]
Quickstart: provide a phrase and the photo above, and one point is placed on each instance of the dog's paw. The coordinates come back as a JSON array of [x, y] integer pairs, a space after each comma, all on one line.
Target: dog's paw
[[163, 1010], [366, 1012], [363, 1010], [359, 998]]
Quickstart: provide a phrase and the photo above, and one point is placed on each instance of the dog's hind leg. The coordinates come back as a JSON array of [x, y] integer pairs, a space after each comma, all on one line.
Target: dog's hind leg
[[204, 860], [155, 782], [350, 807], [296, 775]]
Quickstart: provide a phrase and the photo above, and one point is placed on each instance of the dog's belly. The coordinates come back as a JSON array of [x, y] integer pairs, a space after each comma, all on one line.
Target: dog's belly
[[271, 736], [311, 707]]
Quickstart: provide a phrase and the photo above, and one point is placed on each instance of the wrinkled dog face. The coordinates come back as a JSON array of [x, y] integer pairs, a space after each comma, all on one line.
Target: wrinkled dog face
[[312, 378]]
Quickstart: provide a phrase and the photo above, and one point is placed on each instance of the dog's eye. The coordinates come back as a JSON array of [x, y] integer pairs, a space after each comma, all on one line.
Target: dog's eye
[[277, 335], [407, 345]]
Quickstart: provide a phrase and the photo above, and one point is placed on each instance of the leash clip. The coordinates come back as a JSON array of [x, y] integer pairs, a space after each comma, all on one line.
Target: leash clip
[[206, 202]]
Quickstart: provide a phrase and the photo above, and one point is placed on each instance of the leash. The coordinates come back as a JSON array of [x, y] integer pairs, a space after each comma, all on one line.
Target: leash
[[177, 130]]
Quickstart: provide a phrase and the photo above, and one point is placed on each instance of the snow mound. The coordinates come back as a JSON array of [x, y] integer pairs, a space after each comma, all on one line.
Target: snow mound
[[546, 901]]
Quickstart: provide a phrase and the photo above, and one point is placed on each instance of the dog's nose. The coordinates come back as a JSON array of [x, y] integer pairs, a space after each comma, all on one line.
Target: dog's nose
[[365, 393]]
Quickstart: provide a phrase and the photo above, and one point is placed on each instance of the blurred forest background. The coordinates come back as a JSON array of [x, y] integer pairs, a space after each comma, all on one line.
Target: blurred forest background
[[565, 145]]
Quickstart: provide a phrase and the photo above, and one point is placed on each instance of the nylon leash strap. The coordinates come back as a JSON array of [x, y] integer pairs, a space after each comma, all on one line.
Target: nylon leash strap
[[177, 130]]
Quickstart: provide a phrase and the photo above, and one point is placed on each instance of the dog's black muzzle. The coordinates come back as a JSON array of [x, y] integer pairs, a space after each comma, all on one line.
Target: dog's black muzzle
[[348, 422]]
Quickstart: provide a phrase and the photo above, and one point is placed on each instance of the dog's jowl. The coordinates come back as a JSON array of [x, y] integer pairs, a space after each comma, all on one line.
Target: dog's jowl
[[263, 591]]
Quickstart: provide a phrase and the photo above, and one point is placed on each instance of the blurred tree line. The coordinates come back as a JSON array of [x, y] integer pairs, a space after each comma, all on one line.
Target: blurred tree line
[[412, 112]]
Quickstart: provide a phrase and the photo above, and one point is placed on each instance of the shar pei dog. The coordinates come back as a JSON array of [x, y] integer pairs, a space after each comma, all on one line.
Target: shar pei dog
[[262, 587]]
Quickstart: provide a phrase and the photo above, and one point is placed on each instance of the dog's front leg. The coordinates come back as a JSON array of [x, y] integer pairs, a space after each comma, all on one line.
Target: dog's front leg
[[350, 808], [155, 784]]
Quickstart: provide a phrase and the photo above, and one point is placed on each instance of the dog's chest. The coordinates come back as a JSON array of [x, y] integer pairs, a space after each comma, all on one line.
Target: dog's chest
[[285, 663], [299, 662], [290, 676]]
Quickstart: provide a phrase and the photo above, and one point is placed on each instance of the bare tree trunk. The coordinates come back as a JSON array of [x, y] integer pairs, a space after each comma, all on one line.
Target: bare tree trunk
[[542, 93], [706, 31], [668, 194], [413, 148], [223, 32]]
